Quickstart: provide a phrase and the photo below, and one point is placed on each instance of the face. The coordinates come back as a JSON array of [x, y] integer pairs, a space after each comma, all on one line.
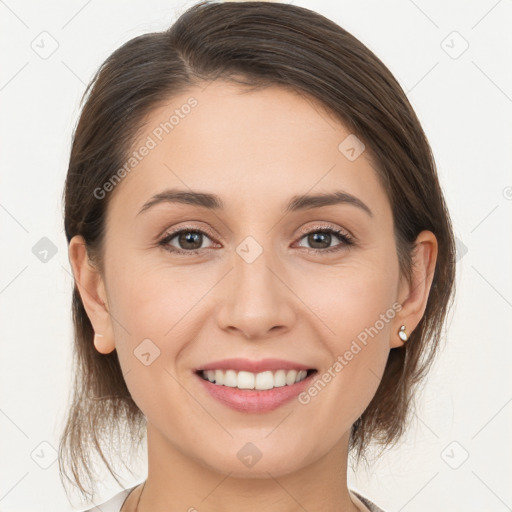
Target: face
[[253, 279]]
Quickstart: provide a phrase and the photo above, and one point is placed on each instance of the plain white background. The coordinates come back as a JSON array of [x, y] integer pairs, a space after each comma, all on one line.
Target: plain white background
[[457, 454]]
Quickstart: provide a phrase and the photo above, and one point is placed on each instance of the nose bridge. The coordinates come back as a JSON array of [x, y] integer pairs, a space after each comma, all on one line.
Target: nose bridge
[[255, 284], [257, 299], [252, 270]]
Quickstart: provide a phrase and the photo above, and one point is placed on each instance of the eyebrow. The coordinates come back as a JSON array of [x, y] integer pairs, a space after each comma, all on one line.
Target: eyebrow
[[214, 202]]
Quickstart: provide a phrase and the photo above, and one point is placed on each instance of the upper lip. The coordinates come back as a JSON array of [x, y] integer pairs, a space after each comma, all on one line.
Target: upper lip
[[239, 364]]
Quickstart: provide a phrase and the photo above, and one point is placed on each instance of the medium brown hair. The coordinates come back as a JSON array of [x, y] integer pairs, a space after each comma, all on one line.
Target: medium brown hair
[[255, 44]]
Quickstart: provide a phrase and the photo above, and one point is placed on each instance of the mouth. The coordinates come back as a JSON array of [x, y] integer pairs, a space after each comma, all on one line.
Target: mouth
[[249, 381], [257, 393]]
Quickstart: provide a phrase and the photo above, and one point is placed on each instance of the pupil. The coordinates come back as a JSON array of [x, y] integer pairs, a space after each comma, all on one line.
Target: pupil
[[190, 237], [315, 236]]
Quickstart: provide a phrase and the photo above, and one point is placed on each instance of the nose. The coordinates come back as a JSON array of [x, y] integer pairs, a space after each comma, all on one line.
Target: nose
[[256, 300]]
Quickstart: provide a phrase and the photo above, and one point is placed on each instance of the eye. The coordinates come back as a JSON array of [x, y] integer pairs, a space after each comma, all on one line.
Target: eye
[[324, 236], [189, 241]]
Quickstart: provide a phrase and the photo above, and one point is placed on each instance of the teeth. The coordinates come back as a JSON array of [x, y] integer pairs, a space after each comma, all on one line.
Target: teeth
[[248, 380]]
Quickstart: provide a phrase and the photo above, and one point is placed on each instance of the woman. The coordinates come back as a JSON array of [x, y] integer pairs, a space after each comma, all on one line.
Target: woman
[[263, 262]]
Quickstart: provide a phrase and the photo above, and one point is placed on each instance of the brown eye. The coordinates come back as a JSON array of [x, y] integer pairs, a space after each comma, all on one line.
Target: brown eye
[[320, 240], [189, 241]]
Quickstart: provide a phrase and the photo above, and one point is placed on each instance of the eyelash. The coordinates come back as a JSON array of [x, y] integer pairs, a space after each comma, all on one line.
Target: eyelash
[[344, 237]]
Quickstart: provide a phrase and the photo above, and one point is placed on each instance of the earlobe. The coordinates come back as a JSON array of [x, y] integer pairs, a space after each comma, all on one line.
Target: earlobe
[[103, 343], [399, 336], [414, 294], [90, 285]]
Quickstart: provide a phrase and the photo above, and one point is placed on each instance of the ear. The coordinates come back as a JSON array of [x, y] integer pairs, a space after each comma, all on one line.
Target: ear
[[413, 295], [92, 291]]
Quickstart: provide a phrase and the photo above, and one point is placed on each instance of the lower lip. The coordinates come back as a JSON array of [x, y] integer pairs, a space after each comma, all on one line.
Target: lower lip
[[253, 400]]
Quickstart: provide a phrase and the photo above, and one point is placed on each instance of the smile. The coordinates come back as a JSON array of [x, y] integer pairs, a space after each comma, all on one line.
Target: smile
[[259, 381]]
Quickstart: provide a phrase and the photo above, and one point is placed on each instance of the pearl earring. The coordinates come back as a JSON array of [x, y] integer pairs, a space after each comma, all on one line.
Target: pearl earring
[[402, 334]]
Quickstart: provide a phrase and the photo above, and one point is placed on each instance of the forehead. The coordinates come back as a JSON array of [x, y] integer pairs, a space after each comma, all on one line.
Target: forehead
[[256, 147]]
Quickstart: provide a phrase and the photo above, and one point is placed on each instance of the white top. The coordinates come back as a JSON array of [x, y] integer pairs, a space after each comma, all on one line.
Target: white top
[[115, 503]]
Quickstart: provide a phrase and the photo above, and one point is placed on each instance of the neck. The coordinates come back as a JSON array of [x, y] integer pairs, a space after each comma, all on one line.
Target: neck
[[187, 484]]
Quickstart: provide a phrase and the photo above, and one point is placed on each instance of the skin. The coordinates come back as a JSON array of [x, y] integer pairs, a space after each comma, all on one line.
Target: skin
[[255, 150]]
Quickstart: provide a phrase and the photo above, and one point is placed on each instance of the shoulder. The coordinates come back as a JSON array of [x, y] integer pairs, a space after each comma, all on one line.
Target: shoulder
[[369, 504], [114, 504]]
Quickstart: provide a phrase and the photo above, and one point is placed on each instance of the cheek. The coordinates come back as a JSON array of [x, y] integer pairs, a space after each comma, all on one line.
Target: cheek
[[143, 284], [356, 308], [158, 303], [152, 326], [352, 299]]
